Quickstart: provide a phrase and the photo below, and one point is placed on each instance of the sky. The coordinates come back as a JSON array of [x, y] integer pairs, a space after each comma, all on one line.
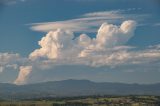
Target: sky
[[97, 40]]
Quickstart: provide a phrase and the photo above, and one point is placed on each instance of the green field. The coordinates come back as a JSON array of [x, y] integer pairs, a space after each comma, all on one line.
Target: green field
[[89, 101]]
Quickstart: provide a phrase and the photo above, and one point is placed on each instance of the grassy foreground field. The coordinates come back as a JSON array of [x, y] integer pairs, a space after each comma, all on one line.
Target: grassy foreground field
[[89, 101]]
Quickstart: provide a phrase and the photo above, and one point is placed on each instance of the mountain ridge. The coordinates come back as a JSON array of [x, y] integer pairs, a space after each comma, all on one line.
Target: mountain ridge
[[71, 88]]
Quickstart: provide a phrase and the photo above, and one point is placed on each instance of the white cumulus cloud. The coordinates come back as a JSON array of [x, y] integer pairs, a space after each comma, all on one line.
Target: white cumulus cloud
[[111, 35], [60, 43], [9, 60], [55, 44]]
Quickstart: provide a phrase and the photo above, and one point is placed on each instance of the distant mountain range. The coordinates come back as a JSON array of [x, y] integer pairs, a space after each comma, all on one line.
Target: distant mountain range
[[69, 88]]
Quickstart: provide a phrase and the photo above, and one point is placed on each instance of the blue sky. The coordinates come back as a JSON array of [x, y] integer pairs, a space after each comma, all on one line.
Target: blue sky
[[22, 26]]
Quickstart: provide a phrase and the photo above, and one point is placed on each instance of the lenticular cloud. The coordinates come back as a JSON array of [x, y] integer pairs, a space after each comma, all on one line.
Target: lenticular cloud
[[61, 43]]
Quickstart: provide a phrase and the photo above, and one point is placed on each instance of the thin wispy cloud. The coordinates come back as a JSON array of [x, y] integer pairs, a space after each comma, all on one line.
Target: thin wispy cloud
[[10, 2], [156, 24]]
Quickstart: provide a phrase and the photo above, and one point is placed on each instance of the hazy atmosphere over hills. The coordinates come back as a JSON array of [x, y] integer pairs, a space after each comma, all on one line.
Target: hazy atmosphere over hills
[[97, 40], [74, 88]]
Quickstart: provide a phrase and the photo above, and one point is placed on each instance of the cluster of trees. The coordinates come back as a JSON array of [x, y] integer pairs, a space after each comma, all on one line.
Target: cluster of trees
[[72, 104]]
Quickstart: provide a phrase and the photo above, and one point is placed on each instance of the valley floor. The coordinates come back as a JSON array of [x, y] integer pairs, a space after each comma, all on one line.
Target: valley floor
[[89, 101]]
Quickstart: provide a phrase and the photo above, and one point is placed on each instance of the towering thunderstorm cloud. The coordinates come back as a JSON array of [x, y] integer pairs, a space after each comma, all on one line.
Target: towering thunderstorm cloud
[[60, 46], [61, 43]]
